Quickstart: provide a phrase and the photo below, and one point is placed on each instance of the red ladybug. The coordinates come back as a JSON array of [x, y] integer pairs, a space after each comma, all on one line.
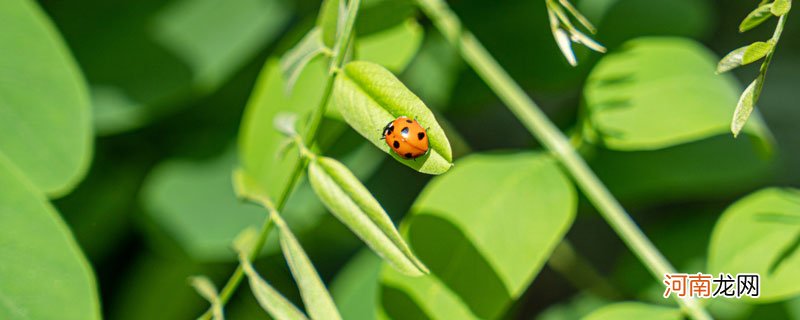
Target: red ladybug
[[406, 137]]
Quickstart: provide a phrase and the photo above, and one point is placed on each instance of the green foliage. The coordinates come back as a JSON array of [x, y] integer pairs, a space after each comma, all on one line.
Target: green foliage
[[296, 59], [351, 202], [756, 17], [44, 104], [206, 288], [657, 93], [744, 56], [259, 142], [745, 107], [173, 52], [650, 122], [753, 53], [501, 215], [45, 150], [318, 301], [355, 288], [369, 97], [761, 234], [269, 298], [194, 203], [329, 20], [635, 310], [565, 32], [44, 273], [781, 7]]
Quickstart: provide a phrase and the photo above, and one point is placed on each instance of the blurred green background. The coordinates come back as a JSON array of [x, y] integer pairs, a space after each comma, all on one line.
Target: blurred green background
[[170, 80]]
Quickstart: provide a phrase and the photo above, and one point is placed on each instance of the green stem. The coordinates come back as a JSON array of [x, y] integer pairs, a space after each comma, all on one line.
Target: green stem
[[548, 134], [342, 43], [762, 72]]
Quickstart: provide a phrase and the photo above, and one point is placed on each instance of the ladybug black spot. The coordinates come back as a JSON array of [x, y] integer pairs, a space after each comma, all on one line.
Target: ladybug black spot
[[408, 155], [409, 121], [421, 135], [404, 132], [396, 144]]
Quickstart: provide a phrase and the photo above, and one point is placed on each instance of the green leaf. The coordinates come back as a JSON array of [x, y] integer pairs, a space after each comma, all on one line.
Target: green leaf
[[173, 52], [695, 171], [259, 141], [658, 93], [44, 274], [419, 298], [206, 288], [781, 7], [746, 240], [369, 97], [501, 215], [635, 310], [331, 16], [434, 71], [44, 104], [355, 288], [744, 107], [732, 60], [316, 298], [575, 308], [194, 202], [296, 59], [744, 55], [270, 299], [756, 17], [392, 48], [756, 51], [351, 202]]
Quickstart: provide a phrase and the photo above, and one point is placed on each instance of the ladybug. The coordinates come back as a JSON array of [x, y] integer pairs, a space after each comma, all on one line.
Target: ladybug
[[406, 137]]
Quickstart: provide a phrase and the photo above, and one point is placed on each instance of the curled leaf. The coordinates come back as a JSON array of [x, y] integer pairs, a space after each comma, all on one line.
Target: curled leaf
[[756, 17], [206, 288], [285, 123], [744, 108], [316, 298], [369, 97], [296, 59], [270, 299], [330, 19], [352, 203]]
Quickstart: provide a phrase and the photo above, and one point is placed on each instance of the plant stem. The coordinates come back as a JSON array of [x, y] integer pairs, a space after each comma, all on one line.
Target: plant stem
[[762, 72], [548, 134], [339, 51]]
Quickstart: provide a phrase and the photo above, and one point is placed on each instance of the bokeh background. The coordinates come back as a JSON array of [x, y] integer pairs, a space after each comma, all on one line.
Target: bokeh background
[[170, 81]]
